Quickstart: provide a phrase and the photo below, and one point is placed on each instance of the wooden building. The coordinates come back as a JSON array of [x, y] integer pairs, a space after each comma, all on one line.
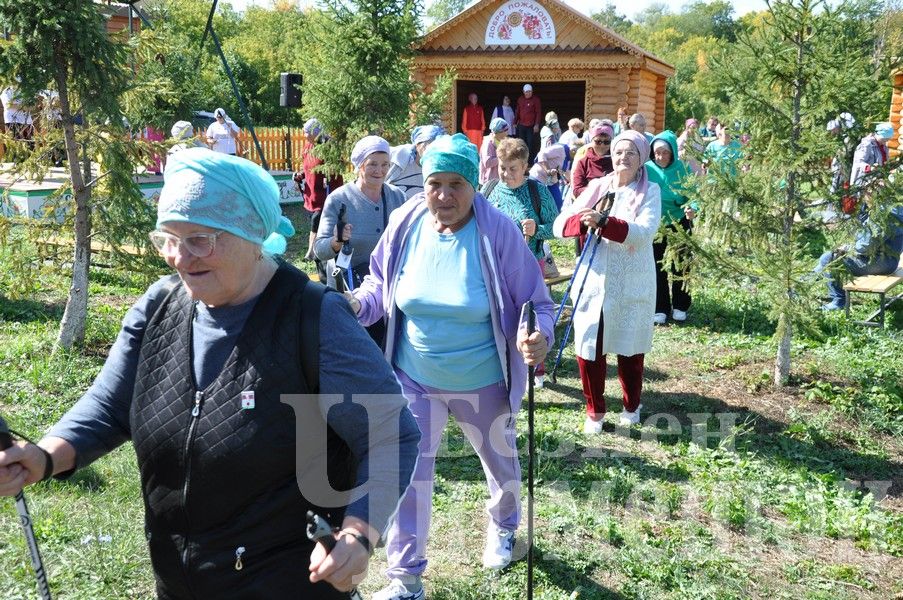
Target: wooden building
[[896, 112], [577, 67]]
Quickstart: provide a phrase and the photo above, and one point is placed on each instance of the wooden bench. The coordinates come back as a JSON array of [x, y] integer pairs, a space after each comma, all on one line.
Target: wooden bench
[[875, 284], [560, 278], [54, 243]]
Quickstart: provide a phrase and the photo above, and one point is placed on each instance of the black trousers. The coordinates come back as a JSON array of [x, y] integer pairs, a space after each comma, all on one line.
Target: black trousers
[[671, 294], [527, 134]]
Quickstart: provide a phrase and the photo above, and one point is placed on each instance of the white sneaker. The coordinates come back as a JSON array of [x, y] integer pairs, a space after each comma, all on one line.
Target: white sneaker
[[499, 546], [659, 319], [679, 315], [397, 590], [629, 419], [539, 381], [591, 426]]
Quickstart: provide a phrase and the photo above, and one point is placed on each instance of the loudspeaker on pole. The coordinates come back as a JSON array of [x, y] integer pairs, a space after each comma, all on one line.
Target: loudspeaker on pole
[[290, 94]]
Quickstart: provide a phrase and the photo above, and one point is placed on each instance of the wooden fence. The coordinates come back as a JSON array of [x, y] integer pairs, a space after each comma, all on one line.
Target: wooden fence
[[281, 147]]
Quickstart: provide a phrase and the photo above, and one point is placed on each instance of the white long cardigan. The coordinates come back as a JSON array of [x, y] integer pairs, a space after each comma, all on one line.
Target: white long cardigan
[[620, 281]]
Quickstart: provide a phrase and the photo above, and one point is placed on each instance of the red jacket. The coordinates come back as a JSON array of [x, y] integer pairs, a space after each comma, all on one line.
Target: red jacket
[[590, 166], [528, 112]]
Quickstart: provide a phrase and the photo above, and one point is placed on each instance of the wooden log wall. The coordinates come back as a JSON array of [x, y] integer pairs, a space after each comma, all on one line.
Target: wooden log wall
[[896, 110]]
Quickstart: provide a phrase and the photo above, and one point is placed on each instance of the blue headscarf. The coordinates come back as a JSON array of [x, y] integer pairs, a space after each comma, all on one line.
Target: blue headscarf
[[224, 192], [426, 133], [452, 154], [498, 124]]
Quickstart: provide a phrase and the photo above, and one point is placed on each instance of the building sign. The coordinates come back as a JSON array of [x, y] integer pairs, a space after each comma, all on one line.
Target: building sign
[[520, 22]]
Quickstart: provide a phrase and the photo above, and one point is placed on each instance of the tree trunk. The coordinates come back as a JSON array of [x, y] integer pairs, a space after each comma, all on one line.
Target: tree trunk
[[785, 321], [782, 360], [72, 326]]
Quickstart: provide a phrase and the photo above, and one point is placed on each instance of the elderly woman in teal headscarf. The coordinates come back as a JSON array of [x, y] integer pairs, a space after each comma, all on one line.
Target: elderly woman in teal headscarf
[[451, 275], [198, 379], [669, 172]]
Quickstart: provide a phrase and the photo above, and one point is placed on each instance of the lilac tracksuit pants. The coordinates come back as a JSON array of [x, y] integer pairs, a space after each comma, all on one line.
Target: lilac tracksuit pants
[[485, 418]]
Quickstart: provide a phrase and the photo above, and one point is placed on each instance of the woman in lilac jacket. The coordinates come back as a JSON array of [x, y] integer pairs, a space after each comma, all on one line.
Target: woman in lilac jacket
[[451, 274]]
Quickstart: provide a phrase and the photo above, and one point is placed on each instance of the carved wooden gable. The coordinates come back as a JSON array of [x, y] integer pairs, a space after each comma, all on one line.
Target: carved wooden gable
[[524, 26]]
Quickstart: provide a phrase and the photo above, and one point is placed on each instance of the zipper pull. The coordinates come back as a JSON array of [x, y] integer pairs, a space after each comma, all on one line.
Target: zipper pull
[[198, 396], [238, 552]]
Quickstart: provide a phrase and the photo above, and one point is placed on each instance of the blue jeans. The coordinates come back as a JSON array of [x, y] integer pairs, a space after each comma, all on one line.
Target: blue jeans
[[857, 265]]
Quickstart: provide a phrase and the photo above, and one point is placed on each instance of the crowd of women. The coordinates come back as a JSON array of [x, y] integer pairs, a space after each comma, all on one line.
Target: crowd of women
[[438, 269]]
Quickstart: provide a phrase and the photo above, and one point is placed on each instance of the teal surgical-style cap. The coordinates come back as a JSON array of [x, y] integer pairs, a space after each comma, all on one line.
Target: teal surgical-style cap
[[224, 192], [452, 154]]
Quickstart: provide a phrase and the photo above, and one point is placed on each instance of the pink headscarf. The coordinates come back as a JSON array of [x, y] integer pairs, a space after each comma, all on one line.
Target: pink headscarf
[[597, 188], [601, 129]]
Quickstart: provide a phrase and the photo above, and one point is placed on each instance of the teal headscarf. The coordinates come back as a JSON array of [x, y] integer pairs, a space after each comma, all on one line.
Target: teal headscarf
[[452, 154], [224, 192], [669, 179]]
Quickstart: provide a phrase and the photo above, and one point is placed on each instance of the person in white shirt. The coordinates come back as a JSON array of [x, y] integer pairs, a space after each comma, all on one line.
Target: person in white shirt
[[222, 133], [15, 116]]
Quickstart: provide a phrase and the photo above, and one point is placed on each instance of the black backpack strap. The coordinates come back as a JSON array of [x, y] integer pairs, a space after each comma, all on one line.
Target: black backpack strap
[[311, 303], [533, 186], [488, 187]]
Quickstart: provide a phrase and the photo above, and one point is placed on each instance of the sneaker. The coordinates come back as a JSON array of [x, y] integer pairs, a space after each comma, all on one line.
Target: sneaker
[[539, 381], [628, 419], [397, 590], [679, 315], [499, 546], [834, 305], [659, 319], [591, 426]]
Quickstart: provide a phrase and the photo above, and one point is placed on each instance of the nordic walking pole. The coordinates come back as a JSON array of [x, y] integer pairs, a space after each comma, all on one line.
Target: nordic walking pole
[[607, 202], [6, 441], [567, 292], [567, 332], [531, 450], [319, 531]]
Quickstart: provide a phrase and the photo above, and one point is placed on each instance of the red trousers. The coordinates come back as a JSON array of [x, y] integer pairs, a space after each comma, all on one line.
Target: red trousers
[[592, 376]]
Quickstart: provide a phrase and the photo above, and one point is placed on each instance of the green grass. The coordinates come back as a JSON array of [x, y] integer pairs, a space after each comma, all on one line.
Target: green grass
[[793, 494]]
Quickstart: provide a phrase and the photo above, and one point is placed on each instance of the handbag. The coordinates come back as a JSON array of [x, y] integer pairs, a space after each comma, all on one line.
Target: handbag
[[549, 268]]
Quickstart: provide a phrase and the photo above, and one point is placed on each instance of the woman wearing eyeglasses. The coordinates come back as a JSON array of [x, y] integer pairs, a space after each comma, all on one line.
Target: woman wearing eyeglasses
[[614, 315], [596, 162], [199, 380]]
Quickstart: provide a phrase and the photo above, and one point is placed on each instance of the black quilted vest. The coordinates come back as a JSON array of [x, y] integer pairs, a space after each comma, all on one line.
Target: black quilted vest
[[216, 478]]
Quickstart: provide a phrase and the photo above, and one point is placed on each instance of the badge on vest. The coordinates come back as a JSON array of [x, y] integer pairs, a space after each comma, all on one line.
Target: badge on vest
[[247, 400]]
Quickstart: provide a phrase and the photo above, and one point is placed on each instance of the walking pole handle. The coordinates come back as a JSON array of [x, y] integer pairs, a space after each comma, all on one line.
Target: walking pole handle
[[319, 531], [6, 441]]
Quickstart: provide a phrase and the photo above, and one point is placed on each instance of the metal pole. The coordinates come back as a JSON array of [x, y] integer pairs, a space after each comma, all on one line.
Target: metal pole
[[531, 451], [6, 441], [241, 103]]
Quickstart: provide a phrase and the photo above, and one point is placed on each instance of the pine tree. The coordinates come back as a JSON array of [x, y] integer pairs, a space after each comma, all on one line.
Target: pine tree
[[807, 63]]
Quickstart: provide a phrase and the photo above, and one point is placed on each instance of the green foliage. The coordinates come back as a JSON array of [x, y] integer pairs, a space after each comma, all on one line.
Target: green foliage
[[609, 17], [806, 63], [360, 86], [441, 11], [259, 44], [429, 108]]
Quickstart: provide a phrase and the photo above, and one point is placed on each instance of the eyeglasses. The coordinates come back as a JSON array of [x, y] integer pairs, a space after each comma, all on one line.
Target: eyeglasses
[[601, 141], [200, 245]]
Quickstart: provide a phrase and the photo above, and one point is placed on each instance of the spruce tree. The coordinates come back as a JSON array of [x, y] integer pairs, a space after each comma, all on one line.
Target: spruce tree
[[357, 79], [805, 64], [65, 47]]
